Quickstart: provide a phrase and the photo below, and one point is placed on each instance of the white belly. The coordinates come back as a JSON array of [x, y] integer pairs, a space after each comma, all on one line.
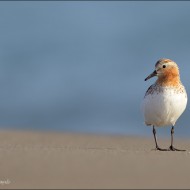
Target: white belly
[[164, 108]]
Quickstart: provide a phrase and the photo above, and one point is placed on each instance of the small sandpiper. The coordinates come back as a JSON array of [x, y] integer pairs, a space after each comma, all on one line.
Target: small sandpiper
[[165, 100]]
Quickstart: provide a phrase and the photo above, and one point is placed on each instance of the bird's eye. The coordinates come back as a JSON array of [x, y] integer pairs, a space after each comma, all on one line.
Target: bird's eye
[[164, 66]]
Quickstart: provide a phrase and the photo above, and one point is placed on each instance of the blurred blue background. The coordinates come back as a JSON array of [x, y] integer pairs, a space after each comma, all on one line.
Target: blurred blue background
[[80, 66]]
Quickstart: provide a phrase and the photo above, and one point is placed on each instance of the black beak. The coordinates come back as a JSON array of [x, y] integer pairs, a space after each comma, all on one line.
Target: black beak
[[151, 75]]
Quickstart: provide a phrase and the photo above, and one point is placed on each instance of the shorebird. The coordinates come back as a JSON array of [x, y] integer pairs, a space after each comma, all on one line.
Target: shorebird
[[165, 100]]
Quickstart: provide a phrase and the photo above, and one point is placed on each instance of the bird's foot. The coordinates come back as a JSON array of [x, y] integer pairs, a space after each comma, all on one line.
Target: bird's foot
[[160, 149], [171, 148]]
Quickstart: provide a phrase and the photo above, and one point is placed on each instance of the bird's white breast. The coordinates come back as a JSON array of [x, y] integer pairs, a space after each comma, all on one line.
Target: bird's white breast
[[163, 108]]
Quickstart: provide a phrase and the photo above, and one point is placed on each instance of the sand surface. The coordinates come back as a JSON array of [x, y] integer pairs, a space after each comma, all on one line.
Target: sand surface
[[58, 160]]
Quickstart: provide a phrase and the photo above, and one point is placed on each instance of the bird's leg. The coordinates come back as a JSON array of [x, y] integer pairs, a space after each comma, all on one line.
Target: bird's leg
[[157, 147], [172, 147]]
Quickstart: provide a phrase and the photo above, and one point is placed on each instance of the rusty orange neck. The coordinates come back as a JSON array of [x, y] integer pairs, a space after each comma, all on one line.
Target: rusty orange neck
[[169, 80]]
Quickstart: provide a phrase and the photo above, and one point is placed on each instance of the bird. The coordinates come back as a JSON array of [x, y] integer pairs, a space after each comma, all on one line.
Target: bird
[[165, 100]]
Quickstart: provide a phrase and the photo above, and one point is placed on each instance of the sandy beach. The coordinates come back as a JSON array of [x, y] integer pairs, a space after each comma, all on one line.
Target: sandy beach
[[58, 160]]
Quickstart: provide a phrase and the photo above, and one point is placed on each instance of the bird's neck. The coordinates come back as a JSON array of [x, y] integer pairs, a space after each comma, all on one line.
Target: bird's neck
[[169, 80]]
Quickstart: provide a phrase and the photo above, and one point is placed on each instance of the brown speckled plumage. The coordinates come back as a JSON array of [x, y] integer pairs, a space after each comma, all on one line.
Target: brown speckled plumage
[[156, 89]]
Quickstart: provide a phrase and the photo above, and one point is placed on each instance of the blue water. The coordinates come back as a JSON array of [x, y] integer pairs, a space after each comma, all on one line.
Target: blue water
[[80, 66]]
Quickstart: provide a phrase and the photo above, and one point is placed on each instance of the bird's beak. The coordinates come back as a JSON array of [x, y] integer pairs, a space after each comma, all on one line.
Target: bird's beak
[[151, 75]]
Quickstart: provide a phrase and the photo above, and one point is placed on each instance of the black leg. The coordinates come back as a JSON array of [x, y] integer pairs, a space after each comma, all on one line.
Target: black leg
[[155, 139], [172, 147]]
